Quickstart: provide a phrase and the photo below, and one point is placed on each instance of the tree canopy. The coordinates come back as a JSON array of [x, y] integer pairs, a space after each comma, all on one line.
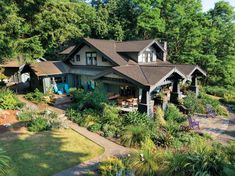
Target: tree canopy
[[36, 28]]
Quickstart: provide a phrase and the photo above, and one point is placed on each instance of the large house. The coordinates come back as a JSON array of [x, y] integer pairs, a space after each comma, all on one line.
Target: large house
[[131, 72]]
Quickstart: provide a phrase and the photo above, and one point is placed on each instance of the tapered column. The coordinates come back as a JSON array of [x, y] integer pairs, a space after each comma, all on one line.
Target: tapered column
[[194, 86], [174, 98]]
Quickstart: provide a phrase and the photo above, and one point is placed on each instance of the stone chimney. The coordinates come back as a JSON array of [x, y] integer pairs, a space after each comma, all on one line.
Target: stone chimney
[[165, 52]]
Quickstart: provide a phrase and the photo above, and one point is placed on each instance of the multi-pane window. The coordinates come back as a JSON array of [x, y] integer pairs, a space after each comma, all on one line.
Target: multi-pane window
[[147, 56], [91, 58]]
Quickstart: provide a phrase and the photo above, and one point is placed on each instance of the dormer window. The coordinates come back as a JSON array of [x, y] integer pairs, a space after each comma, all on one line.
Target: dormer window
[[91, 58], [147, 56]]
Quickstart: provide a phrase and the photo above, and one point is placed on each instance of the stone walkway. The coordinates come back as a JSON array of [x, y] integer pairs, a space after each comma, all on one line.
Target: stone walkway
[[220, 128], [110, 148]]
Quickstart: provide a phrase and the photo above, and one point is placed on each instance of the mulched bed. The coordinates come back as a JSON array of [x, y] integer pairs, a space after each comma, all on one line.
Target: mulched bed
[[8, 117]]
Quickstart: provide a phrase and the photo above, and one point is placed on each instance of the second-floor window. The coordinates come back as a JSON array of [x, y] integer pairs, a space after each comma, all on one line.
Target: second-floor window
[[91, 58], [147, 56]]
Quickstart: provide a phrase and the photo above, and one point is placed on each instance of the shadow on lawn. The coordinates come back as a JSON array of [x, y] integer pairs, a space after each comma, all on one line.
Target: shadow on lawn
[[41, 154]]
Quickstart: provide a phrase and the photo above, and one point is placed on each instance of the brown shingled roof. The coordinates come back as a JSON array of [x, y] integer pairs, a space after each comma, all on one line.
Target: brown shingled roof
[[49, 68], [68, 50], [13, 63], [132, 46], [108, 48], [146, 75]]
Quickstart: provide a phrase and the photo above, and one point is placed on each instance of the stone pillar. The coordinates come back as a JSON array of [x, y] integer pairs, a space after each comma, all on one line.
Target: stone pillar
[[175, 92], [194, 86]]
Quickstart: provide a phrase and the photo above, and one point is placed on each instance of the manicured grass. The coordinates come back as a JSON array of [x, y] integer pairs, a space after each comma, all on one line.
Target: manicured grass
[[47, 153]]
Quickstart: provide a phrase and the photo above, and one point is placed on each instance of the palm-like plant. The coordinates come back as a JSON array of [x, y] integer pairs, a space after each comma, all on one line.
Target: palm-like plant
[[133, 136], [4, 162]]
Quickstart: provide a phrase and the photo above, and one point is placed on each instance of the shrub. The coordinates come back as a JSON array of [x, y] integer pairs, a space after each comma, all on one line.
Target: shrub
[[90, 117], [109, 130], [38, 124], [198, 104], [161, 137], [137, 118], [111, 115], [26, 115], [36, 96], [94, 127], [134, 136], [206, 161], [74, 116], [110, 167], [173, 114], [46, 120], [172, 127], [89, 99], [8, 100]]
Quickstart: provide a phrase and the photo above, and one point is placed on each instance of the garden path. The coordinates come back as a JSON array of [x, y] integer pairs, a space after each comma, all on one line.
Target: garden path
[[111, 148]]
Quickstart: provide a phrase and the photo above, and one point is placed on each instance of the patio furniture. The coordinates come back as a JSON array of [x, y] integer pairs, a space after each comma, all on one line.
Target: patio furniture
[[135, 102], [193, 123], [122, 103], [209, 111]]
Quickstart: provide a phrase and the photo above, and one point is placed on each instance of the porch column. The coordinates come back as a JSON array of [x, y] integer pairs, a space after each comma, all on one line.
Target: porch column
[[194, 86], [175, 92], [150, 104]]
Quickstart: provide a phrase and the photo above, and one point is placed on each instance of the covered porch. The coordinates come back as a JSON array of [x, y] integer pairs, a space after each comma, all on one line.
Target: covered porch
[[141, 87]]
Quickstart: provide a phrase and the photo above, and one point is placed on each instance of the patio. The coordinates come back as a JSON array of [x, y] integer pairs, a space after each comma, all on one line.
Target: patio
[[212, 126]]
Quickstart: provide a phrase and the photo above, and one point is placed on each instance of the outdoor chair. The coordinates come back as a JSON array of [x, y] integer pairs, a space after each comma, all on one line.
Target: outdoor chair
[[209, 111], [193, 123]]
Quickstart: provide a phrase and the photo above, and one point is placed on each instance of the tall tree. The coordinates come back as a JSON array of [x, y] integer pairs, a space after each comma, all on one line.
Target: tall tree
[[183, 29], [10, 28]]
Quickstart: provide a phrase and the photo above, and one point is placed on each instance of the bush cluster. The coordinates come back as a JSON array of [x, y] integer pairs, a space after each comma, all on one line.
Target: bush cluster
[[132, 128], [40, 121], [206, 159], [38, 97], [8, 100], [198, 105]]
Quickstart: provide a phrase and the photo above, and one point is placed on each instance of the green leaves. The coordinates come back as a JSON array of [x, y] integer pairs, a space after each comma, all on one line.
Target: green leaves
[[4, 163]]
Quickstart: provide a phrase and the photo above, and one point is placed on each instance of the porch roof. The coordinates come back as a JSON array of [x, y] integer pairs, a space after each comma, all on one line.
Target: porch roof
[[49, 68], [145, 75]]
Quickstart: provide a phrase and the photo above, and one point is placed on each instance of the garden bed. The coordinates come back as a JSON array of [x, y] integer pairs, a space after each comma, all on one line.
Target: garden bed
[[9, 122]]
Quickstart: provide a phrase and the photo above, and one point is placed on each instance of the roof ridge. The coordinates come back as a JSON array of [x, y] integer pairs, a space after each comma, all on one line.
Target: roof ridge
[[135, 40], [144, 74], [108, 40]]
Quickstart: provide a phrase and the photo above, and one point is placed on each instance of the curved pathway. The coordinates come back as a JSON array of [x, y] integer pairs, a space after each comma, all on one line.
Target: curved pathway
[[110, 148]]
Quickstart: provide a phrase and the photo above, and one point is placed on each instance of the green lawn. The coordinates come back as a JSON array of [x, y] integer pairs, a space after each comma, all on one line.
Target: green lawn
[[47, 153]]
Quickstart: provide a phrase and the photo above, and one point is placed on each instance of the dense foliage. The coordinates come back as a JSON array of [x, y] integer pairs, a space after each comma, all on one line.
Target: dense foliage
[[40, 121], [43, 28], [8, 100], [38, 97], [198, 159], [199, 104], [4, 163]]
